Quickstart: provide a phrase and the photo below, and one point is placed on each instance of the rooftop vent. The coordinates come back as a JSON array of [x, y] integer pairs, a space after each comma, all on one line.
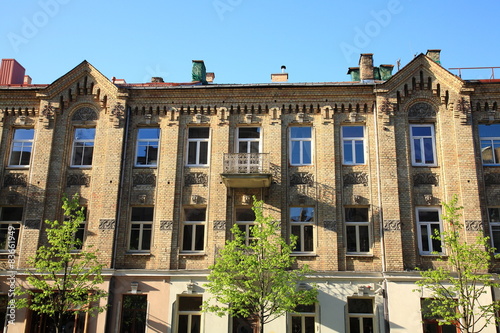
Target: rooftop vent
[[280, 77]]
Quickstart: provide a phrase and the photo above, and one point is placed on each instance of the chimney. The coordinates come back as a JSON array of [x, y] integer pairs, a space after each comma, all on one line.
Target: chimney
[[27, 79], [210, 77], [199, 72], [434, 55], [11, 72], [386, 72], [366, 66], [156, 79], [354, 72], [280, 77]]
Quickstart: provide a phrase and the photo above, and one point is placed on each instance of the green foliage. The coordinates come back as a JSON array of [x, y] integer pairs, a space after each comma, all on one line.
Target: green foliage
[[456, 290], [257, 280], [64, 277]]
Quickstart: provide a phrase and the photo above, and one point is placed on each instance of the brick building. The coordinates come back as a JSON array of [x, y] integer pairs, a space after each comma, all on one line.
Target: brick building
[[357, 170]]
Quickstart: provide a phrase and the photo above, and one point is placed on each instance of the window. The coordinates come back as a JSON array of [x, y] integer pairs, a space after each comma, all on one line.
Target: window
[[83, 147], [494, 218], [189, 314], [490, 144], [302, 223], [147, 147], [303, 319], [361, 315], [141, 228], [80, 232], [248, 147], [431, 322], [10, 222], [197, 152], [22, 145], [423, 149], [133, 318], [193, 237], [353, 144], [428, 226], [245, 219], [357, 230], [301, 145]]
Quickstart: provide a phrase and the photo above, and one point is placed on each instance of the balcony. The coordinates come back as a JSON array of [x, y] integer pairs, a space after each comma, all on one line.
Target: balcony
[[246, 170]]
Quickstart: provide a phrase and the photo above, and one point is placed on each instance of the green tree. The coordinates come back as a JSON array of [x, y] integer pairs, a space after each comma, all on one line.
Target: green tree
[[255, 279], [64, 279], [458, 284]]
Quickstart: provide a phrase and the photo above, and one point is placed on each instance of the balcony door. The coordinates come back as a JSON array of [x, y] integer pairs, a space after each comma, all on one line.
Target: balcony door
[[248, 148]]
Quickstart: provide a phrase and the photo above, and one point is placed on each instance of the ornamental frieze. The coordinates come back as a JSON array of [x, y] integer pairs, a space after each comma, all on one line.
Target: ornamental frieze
[[78, 180], [144, 179], [354, 178], [193, 178], [301, 178], [84, 114], [166, 225], [15, 179], [106, 224], [421, 110], [473, 225], [392, 225], [425, 178]]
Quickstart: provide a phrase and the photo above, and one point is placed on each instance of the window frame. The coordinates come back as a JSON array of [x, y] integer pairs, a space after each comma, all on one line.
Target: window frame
[[493, 224], [81, 230], [11, 228], [198, 142], [421, 139], [25, 143], [246, 224], [189, 313], [141, 224], [352, 141], [194, 224], [301, 238], [428, 225], [303, 315], [360, 315], [301, 142], [357, 233], [84, 147], [134, 310], [491, 140], [139, 144]]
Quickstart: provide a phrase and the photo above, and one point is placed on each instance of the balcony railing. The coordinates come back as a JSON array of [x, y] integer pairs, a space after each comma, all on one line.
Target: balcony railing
[[246, 163]]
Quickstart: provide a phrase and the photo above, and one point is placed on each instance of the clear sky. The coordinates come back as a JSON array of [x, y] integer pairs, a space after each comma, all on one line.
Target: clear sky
[[244, 41]]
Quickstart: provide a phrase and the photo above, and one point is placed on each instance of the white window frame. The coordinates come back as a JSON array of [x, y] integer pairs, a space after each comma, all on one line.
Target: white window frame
[[421, 139], [140, 225], [140, 143], [302, 225], [428, 225], [25, 145], [496, 225], [490, 140], [189, 313], [360, 316], [194, 224], [357, 225], [302, 316], [353, 140], [198, 142], [301, 145], [12, 229], [84, 142]]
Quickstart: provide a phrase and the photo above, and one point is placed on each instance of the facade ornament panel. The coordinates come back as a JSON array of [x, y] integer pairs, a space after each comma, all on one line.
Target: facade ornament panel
[[421, 111], [32, 224], [144, 179], [330, 225], [302, 178], [166, 225], [48, 111], [107, 224], [428, 198], [15, 179], [85, 114], [327, 114], [118, 113], [392, 225], [492, 178], [426, 178], [386, 108], [219, 225], [193, 178], [12, 197], [354, 178], [78, 179], [473, 225]]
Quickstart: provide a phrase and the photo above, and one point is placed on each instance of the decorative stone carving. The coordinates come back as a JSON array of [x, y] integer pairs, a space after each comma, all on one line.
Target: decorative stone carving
[[330, 225], [386, 107], [118, 111], [357, 199], [196, 199], [32, 224], [48, 111], [492, 178], [144, 179], [12, 197], [141, 198], [301, 178], [473, 225], [107, 224], [166, 225], [15, 179], [220, 225], [77, 179], [425, 179], [421, 111], [84, 114], [246, 199], [354, 178], [463, 106], [193, 178], [428, 198], [392, 225]]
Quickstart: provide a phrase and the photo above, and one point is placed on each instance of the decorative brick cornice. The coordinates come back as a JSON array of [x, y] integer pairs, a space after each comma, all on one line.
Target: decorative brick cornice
[[143, 178], [193, 178], [78, 179], [302, 178], [219, 225], [473, 225], [392, 225], [354, 178], [166, 225], [15, 179], [426, 178], [107, 224]]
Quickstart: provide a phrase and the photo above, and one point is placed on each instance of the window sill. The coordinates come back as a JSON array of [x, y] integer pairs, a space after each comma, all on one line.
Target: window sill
[[364, 255], [17, 167], [130, 253], [146, 166], [425, 165], [80, 166], [303, 254], [192, 254], [197, 166], [435, 255]]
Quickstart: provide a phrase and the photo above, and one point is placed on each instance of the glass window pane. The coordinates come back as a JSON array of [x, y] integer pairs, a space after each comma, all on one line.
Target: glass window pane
[[416, 151], [87, 155], [492, 130], [200, 237], [364, 239], [311, 308], [84, 133], [495, 235], [296, 152], [300, 132], [306, 152], [146, 237], [352, 131], [429, 152], [360, 154], [353, 214], [187, 237], [351, 239], [254, 147], [192, 152], [243, 147], [302, 214], [494, 214], [309, 324], [199, 132], [296, 324], [142, 213], [348, 158], [134, 237], [436, 243], [421, 130], [203, 152], [367, 325], [424, 236], [354, 325], [183, 324], [12, 214], [190, 303], [249, 132], [296, 232], [149, 133], [195, 214], [24, 134], [487, 152], [428, 215], [308, 238], [245, 214], [360, 305], [195, 323]]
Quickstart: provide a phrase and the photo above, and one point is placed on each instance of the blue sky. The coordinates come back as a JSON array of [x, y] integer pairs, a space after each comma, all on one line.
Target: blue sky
[[244, 41]]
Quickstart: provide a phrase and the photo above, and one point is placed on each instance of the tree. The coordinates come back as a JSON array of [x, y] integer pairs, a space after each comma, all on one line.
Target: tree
[[65, 278], [254, 279], [457, 289]]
